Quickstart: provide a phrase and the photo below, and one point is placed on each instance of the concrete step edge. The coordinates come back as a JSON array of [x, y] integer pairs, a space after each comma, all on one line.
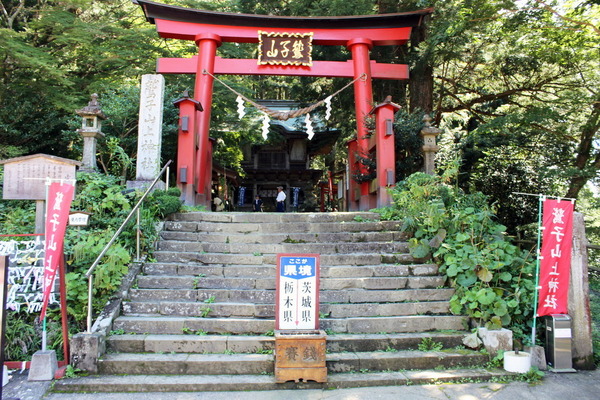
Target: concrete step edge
[[248, 383]]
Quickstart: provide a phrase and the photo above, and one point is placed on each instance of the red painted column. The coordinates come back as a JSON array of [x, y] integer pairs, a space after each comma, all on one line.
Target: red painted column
[[203, 92], [186, 148], [386, 156], [363, 98]]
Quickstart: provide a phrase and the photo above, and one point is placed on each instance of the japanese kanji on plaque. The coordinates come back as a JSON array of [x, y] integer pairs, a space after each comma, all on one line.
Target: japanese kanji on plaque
[[555, 257], [297, 306], [285, 48]]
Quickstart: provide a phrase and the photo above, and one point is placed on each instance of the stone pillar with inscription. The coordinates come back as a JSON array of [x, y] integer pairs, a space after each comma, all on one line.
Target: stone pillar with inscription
[[149, 130]]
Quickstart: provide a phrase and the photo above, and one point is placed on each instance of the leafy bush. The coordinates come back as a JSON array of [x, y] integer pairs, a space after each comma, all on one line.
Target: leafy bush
[[493, 279], [109, 203]]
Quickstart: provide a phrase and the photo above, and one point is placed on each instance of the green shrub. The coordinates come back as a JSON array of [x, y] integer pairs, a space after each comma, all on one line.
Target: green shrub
[[109, 203], [493, 279]]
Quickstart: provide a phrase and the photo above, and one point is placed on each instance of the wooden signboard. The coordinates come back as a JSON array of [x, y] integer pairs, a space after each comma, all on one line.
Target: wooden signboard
[[297, 306], [285, 48], [25, 177]]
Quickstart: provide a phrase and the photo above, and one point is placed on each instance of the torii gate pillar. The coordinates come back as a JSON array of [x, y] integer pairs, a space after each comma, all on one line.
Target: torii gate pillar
[[203, 92], [363, 100]]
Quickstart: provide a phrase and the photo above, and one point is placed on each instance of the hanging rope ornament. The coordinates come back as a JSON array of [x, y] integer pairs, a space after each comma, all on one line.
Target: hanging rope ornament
[[284, 116], [309, 127], [328, 108], [265, 126], [241, 110]]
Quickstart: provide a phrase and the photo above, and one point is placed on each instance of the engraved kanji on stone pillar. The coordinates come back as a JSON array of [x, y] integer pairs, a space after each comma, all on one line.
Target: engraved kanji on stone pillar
[[150, 127]]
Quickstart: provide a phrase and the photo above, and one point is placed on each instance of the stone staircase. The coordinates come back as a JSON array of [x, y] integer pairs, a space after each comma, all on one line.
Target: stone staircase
[[201, 316]]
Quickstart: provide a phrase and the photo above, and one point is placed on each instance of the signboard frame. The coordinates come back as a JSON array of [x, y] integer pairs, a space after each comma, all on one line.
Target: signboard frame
[[303, 260], [283, 48]]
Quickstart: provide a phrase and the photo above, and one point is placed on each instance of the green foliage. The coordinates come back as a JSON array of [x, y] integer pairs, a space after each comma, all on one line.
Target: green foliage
[[21, 337], [493, 279], [72, 372], [408, 142], [108, 203], [428, 344], [165, 202]]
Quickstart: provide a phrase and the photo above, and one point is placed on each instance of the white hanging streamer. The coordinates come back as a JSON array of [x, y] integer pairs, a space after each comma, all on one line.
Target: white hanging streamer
[[328, 109], [309, 127], [241, 110], [265, 126]]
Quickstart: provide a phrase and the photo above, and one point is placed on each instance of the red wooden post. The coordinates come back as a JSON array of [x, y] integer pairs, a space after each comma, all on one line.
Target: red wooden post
[[363, 101], [187, 147], [384, 142], [203, 90]]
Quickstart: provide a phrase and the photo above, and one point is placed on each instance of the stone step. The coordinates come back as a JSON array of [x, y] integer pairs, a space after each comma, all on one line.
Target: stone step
[[257, 228], [286, 237], [245, 310], [274, 248], [268, 296], [204, 344], [204, 282], [247, 383], [244, 364], [236, 326], [241, 217], [271, 259], [269, 271]]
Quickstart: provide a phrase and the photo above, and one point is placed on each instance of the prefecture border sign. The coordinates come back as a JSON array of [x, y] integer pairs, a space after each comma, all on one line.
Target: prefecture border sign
[[297, 306]]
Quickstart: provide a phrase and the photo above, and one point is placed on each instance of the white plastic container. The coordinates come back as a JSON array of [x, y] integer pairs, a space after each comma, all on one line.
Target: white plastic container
[[517, 362]]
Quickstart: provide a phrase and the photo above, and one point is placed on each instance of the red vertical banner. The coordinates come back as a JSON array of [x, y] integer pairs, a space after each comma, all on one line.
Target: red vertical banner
[[60, 196], [555, 257]]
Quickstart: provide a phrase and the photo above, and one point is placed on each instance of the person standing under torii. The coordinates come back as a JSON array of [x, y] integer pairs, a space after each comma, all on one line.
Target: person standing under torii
[[257, 205], [280, 199]]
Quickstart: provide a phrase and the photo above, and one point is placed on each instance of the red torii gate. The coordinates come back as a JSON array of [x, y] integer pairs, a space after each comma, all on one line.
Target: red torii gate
[[209, 29]]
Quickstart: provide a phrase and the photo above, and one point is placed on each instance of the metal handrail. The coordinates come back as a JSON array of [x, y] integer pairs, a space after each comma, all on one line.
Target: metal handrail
[[89, 273]]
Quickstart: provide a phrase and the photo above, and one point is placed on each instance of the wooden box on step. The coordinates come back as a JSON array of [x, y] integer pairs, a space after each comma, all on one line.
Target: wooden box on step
[[300, 355]]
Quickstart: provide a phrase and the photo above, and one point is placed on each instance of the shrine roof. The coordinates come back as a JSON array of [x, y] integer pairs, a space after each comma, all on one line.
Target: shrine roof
[[153, 10], [43, 156]]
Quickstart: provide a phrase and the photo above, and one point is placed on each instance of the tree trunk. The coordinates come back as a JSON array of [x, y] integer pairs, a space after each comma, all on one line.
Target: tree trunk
[[586, 164], [421, 75]]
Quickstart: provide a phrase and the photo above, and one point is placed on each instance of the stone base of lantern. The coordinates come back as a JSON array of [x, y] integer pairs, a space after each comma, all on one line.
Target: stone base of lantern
[[300, 356]]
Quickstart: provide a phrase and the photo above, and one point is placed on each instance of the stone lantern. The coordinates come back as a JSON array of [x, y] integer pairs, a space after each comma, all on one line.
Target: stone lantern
[[429, 145], [91, 130]]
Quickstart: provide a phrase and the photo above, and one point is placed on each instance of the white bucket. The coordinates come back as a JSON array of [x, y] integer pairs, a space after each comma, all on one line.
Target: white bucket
[[514, 362]]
